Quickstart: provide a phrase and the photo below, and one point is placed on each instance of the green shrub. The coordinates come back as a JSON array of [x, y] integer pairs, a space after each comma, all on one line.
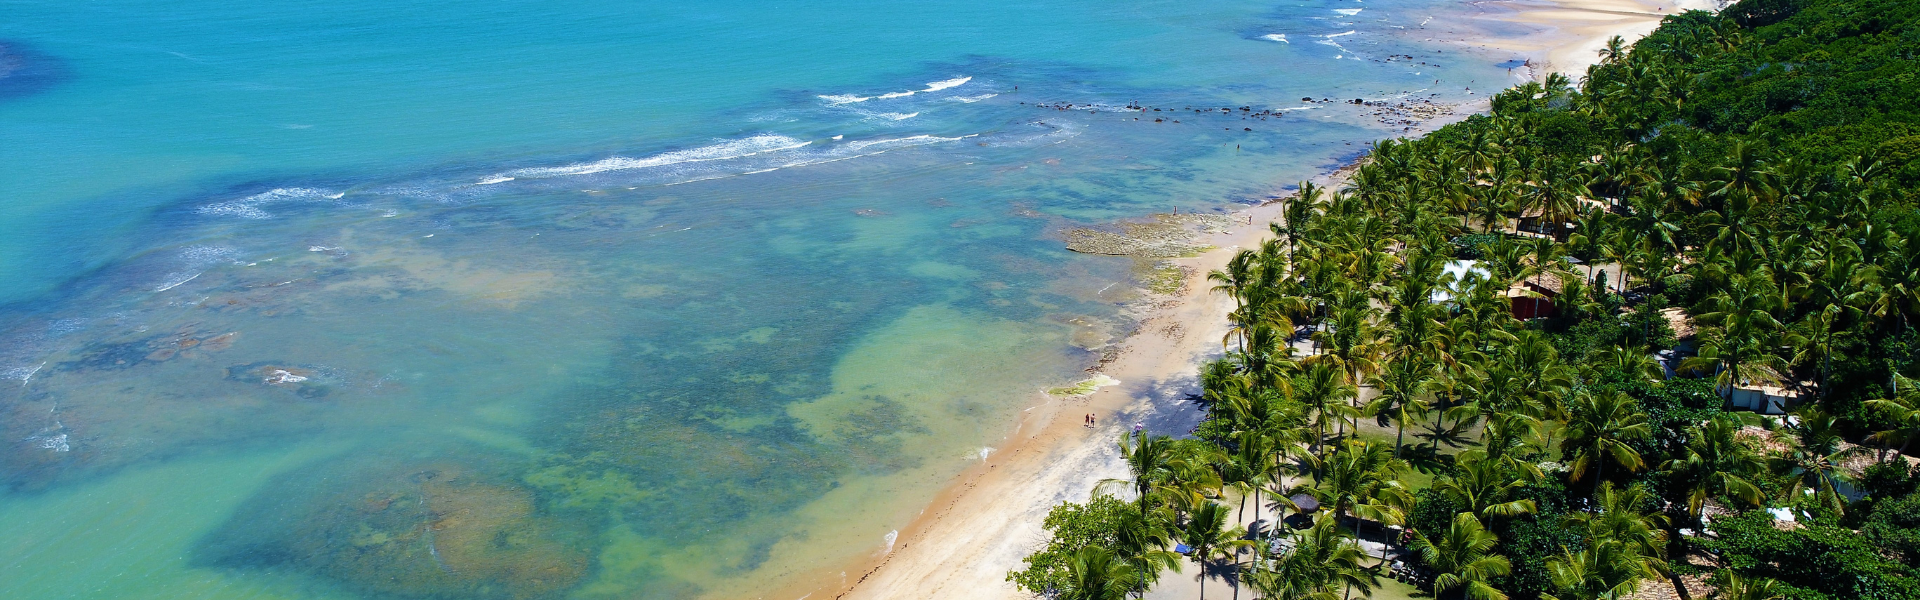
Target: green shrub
[[1073, 526], [1818, 561], [1895, 526]]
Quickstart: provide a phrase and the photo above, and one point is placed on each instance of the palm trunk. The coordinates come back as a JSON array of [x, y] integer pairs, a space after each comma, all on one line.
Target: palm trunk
[[1439, 422], [1400, 434], [1256, 502], [1679, 542], [1599, 470]]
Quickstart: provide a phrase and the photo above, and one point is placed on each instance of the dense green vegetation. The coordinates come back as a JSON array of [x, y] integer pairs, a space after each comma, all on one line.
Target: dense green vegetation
[[1752, 176]]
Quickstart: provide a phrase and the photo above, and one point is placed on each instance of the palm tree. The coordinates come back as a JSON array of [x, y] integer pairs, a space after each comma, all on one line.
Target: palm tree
[[1494, 201], [1359, 480], [1402, 388], [1209, 535], [1142, 540], [1506, 261], [1614, 52], [1314, 565], [1094, 573], [1895, 291], [1902, 411], [1812, 459], [1152, 462], [1543, 376], [1267, 357], [1485, 487], [1598, 428], [1629, 361], [1729, 585], [1607, 571], [1739, 344], [1179, 474], [1715, 463], [1836, 288], [1594, 236], [1619, 521], [1555, 196], [1462, 555], [1320, 389], [1247, 467], [1234, 281], [1623, 548], [1296, 216], [1743, 175]]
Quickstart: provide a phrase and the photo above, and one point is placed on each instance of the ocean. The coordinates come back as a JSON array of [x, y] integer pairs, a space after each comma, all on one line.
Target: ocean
[[595, 299]]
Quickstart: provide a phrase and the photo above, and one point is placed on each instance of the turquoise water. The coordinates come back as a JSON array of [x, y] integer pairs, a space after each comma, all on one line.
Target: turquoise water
[[591, 299]]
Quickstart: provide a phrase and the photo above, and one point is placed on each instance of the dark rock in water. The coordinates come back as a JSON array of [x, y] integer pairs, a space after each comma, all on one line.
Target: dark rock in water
[[450, 528], [24, 71]]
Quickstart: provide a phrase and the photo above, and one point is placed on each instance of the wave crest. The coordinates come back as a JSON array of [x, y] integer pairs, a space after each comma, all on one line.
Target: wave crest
[[730, 149], [250, 206]]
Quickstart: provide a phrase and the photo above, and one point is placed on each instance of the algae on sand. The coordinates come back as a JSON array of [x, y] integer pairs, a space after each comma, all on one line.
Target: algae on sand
[[1164, 236], [1085, 387], [1163, 278]]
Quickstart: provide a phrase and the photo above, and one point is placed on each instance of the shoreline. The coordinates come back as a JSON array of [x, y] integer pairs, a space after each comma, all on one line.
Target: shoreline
[[1570, 33], [989, 516]]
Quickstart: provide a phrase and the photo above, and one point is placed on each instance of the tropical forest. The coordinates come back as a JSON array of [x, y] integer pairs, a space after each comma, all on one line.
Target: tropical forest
[[1650, 333]]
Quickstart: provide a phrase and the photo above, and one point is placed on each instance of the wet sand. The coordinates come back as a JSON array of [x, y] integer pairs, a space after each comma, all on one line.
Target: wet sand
[[979, 527]]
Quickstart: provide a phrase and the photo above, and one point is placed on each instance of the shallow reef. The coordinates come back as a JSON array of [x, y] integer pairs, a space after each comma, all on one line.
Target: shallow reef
[[442, 527]]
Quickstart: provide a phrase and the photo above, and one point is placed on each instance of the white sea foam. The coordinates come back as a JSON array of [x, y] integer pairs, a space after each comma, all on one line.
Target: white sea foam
[[844, 98], [495, 179], [897, 116], [194, 261], [250, 206], [828, 154], [729, 149], [207, 255], [1348, 11], [174, 280], [972, 99], [1329, 40], [893, 143], [282, 376], [24, 374], [51, 438], [1277, 37], [839, 99], [947, 83], [891, 537]]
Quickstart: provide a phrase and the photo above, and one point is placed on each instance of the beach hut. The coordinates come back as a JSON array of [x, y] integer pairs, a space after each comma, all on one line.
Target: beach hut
[[1533, 298], [1764, 399]]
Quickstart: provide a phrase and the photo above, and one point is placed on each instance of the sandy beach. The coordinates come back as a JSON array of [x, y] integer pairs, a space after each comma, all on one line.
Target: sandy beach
[[1570, 33], [990, 517]]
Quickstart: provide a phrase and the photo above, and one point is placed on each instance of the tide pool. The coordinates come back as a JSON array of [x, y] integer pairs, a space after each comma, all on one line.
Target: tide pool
[[592, 299]]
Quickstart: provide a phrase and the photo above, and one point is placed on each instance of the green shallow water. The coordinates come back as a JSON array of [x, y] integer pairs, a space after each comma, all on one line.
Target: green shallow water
[[589, 300]]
